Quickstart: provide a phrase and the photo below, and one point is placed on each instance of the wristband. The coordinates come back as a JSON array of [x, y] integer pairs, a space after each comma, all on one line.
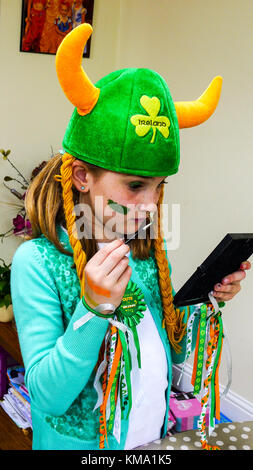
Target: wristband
[[100, 308], [97, 312]]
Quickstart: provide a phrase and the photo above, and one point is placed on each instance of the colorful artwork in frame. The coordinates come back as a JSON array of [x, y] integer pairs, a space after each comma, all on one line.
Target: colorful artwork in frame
[[46, 22]]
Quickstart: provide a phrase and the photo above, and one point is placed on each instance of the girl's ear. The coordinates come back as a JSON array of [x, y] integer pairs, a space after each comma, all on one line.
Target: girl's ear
[[79, 174]]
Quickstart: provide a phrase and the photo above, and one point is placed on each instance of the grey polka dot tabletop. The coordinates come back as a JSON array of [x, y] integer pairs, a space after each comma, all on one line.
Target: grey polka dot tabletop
[[228, 436]]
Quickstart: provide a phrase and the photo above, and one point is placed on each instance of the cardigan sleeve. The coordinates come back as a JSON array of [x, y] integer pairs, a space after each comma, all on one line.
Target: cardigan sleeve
[[58, 363], [178, 358]]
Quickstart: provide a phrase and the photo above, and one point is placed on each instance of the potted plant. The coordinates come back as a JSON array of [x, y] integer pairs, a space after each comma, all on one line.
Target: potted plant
[[21, 227], [6, 312]]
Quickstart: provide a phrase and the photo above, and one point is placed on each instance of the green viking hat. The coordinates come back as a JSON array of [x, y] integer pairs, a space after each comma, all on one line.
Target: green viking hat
[[127, 122]]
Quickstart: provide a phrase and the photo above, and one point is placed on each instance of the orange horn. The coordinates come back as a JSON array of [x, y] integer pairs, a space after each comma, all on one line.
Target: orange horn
[[193, 113], [76, 85]]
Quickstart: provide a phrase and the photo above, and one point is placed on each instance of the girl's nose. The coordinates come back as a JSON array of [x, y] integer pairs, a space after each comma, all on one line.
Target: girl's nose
[[147, 207]]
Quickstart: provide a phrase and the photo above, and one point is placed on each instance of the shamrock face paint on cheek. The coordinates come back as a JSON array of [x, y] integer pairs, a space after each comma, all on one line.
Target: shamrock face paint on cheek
[[118, 207]]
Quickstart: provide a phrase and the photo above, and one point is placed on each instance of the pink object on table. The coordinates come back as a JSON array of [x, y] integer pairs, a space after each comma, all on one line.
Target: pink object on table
[[186, 410]]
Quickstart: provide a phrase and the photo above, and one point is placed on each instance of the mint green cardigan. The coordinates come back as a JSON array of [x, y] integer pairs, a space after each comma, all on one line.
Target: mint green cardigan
[[59, 362]]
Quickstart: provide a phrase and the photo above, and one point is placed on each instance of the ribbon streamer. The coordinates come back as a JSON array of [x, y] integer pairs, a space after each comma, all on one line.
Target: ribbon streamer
[[199, 353], [228, 361], [190, 322], [210, 388], [215, 395], [121, 356], [211, 356], [100, 371], [208, 351]]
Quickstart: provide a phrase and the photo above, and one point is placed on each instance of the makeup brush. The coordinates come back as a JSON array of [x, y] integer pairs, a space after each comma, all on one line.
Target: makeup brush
[[152, 215]]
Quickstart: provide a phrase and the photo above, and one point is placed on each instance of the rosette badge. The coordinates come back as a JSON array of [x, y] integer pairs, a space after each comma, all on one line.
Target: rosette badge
[[130, 311]]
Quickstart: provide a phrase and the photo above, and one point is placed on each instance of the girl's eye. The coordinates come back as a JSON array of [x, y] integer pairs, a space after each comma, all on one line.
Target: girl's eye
[[135, 186]]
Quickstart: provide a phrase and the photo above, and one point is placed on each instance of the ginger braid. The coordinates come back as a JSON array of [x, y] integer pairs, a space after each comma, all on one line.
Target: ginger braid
[[173, 318], [68, 204]]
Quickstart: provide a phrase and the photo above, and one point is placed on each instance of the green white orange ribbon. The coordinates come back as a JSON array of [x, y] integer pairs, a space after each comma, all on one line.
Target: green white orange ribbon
[[206, 382], [205, 375], [189, 331], [121, 355]]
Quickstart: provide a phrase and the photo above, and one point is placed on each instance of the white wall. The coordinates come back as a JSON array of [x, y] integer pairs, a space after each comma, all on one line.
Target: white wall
[[188, 42], [34, 112]]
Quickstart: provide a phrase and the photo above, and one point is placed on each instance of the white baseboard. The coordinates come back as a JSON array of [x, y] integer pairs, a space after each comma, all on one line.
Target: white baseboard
[[235, 407]]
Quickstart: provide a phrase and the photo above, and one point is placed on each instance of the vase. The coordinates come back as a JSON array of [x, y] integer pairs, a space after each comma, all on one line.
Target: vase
[[6, 314]]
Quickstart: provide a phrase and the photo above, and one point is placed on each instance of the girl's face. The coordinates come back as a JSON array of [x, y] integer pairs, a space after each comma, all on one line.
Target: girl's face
[[119, 202], [39, 5], [78, 3], [64, 10]]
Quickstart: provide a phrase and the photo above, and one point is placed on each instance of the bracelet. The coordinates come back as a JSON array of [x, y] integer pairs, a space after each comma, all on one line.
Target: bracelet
[[100, 308], [97, 311]]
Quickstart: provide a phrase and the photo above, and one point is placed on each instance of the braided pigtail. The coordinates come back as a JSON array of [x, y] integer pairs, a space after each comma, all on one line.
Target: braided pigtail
[[68, 204], [173, 318]]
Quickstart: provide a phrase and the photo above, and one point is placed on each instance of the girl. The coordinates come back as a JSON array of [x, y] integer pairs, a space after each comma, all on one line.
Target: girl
[[49, 34], [78, 13], [36, 14], [95, 317], [63, 23]]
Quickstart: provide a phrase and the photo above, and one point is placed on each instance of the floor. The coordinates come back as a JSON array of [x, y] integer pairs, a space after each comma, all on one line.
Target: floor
[[228, 436]]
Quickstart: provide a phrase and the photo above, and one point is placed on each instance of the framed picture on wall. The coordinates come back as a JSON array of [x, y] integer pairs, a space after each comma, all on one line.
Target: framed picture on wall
[[45, 23]]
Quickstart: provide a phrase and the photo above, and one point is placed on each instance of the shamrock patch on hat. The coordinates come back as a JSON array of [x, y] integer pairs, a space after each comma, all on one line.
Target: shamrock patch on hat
[[152, 121]]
